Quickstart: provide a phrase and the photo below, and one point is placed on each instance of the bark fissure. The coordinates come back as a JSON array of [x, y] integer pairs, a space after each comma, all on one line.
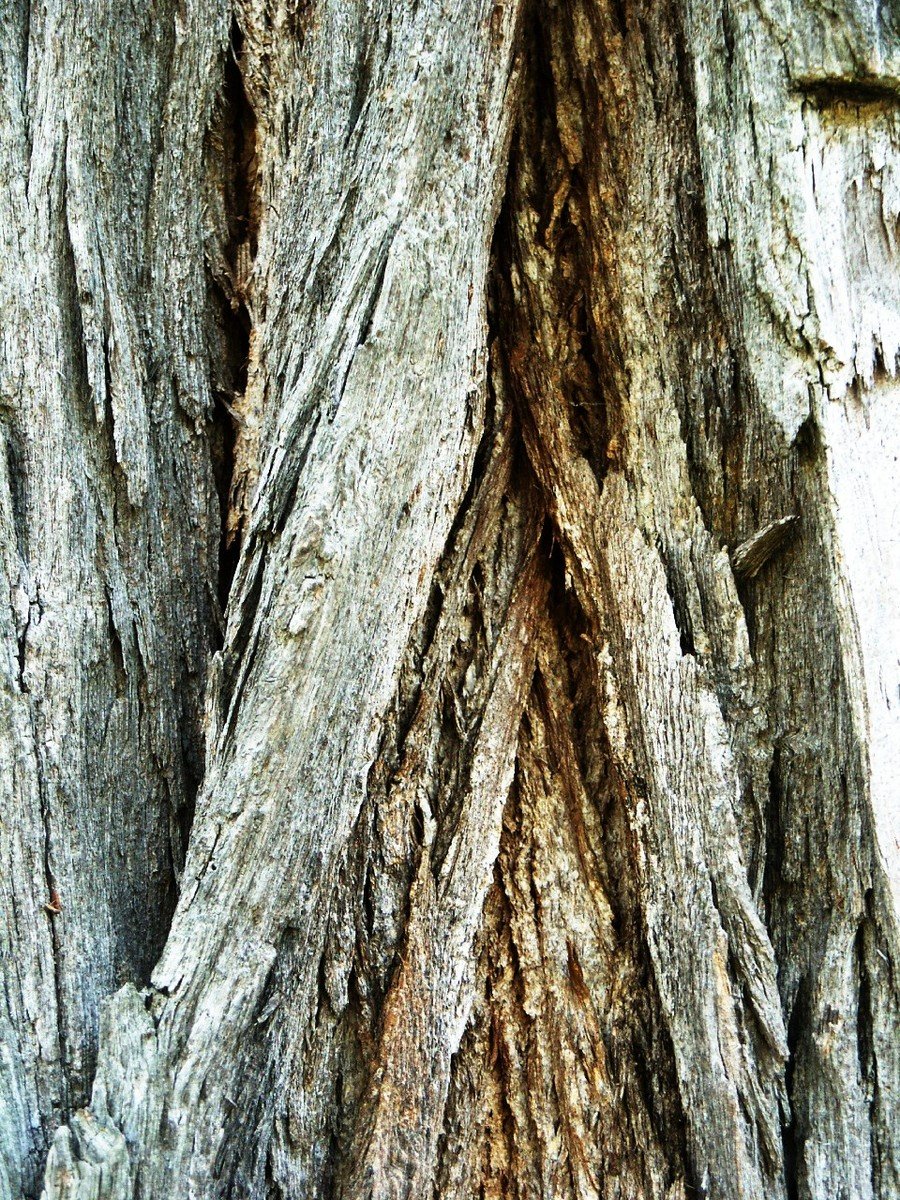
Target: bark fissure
[[235, 140], [51, 908]]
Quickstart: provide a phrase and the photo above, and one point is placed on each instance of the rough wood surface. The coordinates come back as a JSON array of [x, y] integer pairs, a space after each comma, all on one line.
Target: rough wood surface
[[523, 377], [109, 524]]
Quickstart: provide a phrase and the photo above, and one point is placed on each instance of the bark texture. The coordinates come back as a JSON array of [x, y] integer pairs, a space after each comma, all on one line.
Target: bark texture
[[109, 524], [490, 412]]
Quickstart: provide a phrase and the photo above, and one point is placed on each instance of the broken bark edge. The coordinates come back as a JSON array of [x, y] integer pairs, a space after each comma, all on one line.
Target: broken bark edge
[[89, 1158]]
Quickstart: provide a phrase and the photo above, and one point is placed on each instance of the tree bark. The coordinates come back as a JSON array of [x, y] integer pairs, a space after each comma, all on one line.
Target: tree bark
[[451, 687]]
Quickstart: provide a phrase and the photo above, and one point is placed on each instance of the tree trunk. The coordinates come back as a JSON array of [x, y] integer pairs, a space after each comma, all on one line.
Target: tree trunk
[[451, 695]]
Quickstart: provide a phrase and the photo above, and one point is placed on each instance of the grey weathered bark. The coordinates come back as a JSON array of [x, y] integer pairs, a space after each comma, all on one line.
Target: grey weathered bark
[[532, 370]]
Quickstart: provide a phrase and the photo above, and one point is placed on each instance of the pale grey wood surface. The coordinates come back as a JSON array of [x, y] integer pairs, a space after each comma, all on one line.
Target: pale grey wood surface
[[110, 523]]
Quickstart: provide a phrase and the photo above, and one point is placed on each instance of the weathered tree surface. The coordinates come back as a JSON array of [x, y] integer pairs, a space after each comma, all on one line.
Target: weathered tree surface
[[450, 720]]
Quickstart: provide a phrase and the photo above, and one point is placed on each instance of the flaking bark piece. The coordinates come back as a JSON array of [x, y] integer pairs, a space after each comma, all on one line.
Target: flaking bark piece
[[748, 559]]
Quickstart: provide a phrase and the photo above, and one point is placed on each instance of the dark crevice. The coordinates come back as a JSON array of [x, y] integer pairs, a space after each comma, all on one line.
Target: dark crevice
[[22, 648], [115, 643], [860, 92], [680, 610], [372, 302], [222, 448], [590, 408], [328, 1185], [792, 1137], [583, 378], [773, 887], [16, 478], [865, 1051], [238, 134], [52, 908]]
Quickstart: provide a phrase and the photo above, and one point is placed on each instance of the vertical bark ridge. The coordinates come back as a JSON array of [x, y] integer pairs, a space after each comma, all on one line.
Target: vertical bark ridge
[[109, 524], [233, 219], [391, 1005], [367, 374], [806, 297]]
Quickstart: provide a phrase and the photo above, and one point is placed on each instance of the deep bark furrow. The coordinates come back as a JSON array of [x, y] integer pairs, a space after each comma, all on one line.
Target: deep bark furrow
[[733, 1135], [551, 1092]]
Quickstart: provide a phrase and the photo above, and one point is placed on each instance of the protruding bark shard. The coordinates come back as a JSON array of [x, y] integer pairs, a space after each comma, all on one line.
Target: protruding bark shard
[[749, 558]]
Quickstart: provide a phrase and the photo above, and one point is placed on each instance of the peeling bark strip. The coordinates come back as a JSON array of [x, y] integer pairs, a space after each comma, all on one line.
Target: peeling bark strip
[[489, 411]]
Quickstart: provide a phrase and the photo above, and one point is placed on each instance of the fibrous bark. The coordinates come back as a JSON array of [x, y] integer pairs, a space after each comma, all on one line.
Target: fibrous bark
[[531, 369], [109, 524]]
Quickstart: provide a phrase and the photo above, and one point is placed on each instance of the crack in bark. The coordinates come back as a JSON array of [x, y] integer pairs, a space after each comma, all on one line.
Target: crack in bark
[[234, 432]]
